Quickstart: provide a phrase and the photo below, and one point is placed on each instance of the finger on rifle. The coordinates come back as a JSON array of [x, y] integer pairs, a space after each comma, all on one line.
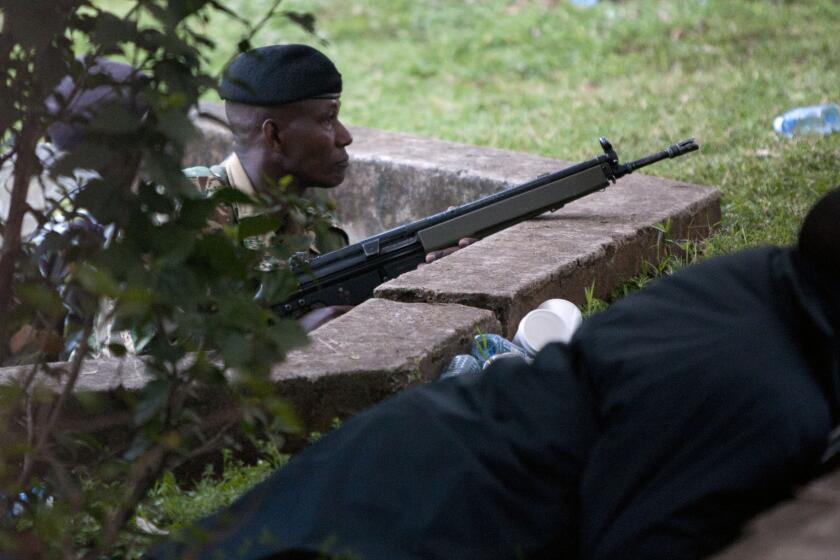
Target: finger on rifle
[[340, 309], [318, 316], [466, 241], [435, 255]]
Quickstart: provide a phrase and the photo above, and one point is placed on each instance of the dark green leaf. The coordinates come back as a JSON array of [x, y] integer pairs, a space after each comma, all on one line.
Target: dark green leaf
[[277, 286], [117, 350], [179, 287], [96, 280], [285, 418], [195, 212], [286, 334], [234, 346], [257, 225], [181, 9], [155, 201], [138, 446], [85, 440], [217, 253], [105, 202], [176, 126], [114, 119], [231, 196], [224, 9], [304, 19], [111, 30], [41, 298], [153, 399]]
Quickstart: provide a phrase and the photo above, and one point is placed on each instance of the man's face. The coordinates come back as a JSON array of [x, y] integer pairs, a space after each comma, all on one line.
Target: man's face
[[313, 143]]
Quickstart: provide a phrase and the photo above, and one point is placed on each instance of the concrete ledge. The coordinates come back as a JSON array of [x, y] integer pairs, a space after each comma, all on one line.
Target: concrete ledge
[[343, 370], [375, 350], [95, 375], [601, 240], [397, 178]]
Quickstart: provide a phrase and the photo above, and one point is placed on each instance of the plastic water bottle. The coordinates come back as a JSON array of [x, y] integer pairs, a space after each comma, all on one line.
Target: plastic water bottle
[[506, 356], [583, 3], [817, 119], [459, 365], [485, 346]]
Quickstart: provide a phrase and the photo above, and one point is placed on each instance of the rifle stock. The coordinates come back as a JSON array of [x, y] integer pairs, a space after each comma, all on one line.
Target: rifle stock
[[349, 275]]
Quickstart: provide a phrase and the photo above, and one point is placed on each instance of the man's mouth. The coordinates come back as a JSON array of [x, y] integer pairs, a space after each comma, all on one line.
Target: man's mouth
[[343, 163]]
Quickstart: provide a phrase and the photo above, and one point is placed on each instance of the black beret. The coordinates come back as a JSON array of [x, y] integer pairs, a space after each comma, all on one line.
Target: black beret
[[280, 74]]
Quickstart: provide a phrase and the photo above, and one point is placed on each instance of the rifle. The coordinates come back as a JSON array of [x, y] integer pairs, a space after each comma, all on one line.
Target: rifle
[[349, 275]]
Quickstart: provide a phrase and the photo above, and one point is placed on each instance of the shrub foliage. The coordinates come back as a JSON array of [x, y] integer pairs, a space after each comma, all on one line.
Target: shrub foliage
[[122, 265]]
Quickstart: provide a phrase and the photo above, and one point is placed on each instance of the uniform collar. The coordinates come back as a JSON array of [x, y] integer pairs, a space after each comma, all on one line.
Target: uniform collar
[[238, 179], [236, 175]]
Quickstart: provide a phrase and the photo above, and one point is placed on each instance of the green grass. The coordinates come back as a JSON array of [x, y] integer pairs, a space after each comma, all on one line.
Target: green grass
[[545, 77], [171, 506], [548, 78]]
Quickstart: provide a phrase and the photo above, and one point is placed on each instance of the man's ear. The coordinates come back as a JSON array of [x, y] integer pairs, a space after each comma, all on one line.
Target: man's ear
[[272, 135]]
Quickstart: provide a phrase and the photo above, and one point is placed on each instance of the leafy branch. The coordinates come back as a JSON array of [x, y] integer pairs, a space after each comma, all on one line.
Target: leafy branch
[[121, 261]]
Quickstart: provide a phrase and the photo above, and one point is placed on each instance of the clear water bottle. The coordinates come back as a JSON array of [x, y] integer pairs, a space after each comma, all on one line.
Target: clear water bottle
[[459, 365], [485, 346], [583, 3], [506, 356], [817, 119]]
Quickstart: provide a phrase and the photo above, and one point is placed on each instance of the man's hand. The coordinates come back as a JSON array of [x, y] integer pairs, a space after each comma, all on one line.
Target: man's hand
[[435, 255], [317, 317]]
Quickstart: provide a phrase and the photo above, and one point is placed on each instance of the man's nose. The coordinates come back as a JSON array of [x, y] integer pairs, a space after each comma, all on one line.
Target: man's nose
[[343, 136]]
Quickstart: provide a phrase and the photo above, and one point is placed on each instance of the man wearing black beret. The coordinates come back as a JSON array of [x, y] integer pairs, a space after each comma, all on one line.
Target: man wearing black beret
[[282, 104]]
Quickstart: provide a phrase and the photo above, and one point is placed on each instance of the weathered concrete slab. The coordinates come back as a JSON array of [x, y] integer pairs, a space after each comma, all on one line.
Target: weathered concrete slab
[[805, 528], [351, 363], [374, 351], [95, 375], [397, 178], [603, 239]]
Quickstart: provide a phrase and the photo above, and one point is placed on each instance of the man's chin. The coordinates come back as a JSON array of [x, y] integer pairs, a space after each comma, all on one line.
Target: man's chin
[[328, 182]]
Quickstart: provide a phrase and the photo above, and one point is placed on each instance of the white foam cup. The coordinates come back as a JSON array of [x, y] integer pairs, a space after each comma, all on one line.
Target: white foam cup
[[538, 328], [567, 310], [555, 320]]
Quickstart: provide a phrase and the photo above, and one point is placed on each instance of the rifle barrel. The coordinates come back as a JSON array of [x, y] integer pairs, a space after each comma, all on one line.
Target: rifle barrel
[[672, 151], [349, 275]]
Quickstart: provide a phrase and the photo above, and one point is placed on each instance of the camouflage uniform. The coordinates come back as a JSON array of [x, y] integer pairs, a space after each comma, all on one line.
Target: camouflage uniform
[[231, 173]]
